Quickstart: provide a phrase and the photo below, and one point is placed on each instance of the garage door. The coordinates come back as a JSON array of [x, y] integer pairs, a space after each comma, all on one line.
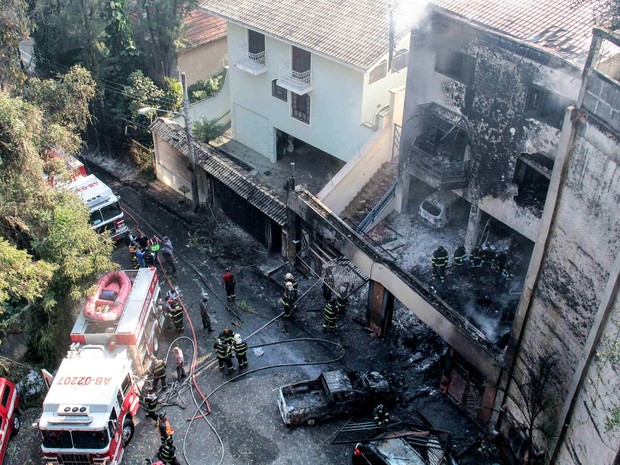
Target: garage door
[[253, 130]]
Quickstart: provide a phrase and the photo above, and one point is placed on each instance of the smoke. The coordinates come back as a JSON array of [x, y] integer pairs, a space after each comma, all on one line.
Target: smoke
[[408, 13]]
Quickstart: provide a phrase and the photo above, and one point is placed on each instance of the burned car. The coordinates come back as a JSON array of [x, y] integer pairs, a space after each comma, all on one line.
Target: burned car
[[332, 394]]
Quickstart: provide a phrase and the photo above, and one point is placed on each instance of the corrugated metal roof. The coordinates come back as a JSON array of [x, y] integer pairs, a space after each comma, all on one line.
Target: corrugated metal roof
[[202, 28], [564, 26], [351, 31], [224, 170]]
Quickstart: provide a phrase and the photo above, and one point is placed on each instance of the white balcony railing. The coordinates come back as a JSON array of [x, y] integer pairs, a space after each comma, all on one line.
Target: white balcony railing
[[295, 81], [253, 63]]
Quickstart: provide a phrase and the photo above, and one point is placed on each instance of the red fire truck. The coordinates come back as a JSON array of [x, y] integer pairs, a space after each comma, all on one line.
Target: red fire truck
[[89, 410], [9, 414]]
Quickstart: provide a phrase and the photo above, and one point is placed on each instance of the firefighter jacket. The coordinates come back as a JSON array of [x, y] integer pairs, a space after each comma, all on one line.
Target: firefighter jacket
[[241, 348], [151, 401], [227, 336], [222, 350], [158, 369], [440, 257], [164, 428], [168, 453], [176, 315], [229, 279], [330, 312], [460, 256]]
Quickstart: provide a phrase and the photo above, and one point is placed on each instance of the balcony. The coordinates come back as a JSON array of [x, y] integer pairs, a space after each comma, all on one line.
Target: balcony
[[437, 154], [299, 82], [253, 63]]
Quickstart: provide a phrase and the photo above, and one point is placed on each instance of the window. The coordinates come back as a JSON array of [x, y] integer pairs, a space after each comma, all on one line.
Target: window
[[546, 106], [90, 439], [399, 61], [455, 65], [302, 60], [278, 92], [256, 42], [119, 398], [5, 395], [126, 386], [378, 72], [57, 439], [300, 107]]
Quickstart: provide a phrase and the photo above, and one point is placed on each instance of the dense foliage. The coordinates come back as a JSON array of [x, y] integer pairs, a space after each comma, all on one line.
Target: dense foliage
[[49, 254], [204, 89]]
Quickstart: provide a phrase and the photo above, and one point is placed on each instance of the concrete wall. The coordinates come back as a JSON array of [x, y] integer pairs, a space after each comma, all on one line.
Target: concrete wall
[[171, 167], [337, 108], [216, 106], [342, 188], [574, 293], [203, 62]]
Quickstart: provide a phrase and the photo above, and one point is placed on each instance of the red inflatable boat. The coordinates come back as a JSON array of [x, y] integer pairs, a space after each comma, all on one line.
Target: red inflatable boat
[[108, 301]]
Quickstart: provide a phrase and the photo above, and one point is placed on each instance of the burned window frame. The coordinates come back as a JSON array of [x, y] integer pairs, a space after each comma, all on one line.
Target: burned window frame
[[455, 64], [545, 105]]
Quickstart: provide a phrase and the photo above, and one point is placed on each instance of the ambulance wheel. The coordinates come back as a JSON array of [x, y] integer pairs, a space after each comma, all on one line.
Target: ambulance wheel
[[128, 429], [17, 424]]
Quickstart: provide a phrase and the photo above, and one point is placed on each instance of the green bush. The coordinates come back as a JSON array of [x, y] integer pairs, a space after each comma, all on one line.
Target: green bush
[[204, 89]]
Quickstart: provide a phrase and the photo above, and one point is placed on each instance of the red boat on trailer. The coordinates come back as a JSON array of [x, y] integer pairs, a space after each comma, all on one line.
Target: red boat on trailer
[[108, 301]]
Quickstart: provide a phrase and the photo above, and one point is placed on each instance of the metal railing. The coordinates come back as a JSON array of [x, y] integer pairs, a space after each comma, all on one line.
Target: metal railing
[[299, 82], [252, 62], [372, 215], [438, 167]]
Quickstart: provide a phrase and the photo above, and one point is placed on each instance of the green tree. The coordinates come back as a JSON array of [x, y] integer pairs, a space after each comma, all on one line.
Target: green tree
[[206, 130], [159, 29], [44, 229], [14, 26]]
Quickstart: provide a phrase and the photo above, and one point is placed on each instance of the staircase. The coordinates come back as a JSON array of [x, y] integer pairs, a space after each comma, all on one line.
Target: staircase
[[371, 193]]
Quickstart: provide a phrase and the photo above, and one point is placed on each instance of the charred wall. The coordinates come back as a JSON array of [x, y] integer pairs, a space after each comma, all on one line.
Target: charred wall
[[512, 94]]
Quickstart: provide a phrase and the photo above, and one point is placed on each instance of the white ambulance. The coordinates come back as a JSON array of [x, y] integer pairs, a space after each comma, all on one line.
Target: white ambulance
[[103, 205]]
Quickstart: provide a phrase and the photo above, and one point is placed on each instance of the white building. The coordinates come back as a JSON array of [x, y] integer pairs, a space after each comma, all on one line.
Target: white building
[[320, 71]]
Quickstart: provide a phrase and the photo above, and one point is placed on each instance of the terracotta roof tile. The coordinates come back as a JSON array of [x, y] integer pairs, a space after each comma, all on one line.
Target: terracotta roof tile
[[564, 26], [202, 28], [351, 31]]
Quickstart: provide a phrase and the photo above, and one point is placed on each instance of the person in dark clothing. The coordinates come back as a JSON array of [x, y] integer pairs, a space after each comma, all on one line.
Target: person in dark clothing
[[329, 317], [142, 241], [166, 433], [176, 315], [488, 255], [289, 278], [154, 244], [227, 336], [157, 370], [328, 285], [241, 352], [460, 259], [204, 312], [152, 401], [229, 285], [140, 258], [223, 351], [475, 262], [440, 262], [168, 453], [168, 259], [381, 415], [288, 301], [133, 254], [342, 302]]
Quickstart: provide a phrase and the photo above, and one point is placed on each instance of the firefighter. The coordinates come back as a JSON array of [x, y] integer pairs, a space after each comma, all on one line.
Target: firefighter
[[288, 278], [223, 351], [179, 362], [149, 257], [342, 302], [166, 433], [440, 261], [229, 284], [204, 312], [152, 401], [288, 300], [157, 370], [227, 336], [381, 415], [241, 352], [328, 285], [329, 321], [176, 315], [168, 453], [475, 261], [460, 258], [133, 248], [488, 255]]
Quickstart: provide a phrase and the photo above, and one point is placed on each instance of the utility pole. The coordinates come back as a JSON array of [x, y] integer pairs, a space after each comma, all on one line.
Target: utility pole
[[190, 146]]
